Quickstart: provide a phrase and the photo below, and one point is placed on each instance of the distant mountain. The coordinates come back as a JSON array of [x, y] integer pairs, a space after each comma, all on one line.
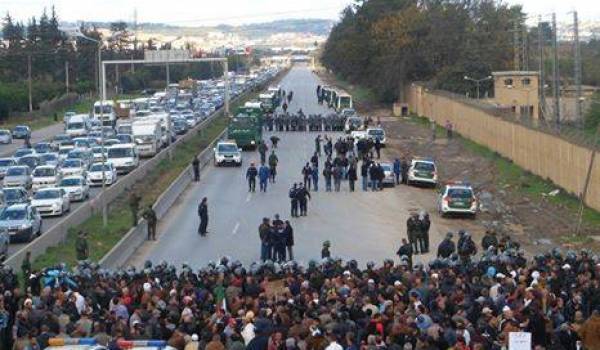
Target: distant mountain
[[253, 30]]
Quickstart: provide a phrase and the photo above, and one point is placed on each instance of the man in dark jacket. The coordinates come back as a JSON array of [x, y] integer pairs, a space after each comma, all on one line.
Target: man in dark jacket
[[352, 176], [446, 247], [378, 147], [405, 167], [425, 224], [264, 232], [288, 232], [203, 214], [406, 250], [294, 200], [196, 168], [374, 175], [364, 173], [412, 227], [303, 197], [489, 240], [251, 175]]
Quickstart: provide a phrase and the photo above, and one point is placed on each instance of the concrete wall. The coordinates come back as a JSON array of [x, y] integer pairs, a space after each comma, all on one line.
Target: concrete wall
[[545, 155]]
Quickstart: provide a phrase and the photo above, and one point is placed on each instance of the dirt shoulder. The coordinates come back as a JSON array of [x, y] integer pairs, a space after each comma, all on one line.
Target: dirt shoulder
[[514, 202]]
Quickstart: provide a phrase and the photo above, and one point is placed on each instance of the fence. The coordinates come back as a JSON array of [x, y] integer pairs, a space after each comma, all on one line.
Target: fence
[[535, 146]]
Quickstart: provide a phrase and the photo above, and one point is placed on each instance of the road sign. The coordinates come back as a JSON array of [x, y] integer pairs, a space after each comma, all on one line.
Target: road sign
[[519, 341], [166, 55]]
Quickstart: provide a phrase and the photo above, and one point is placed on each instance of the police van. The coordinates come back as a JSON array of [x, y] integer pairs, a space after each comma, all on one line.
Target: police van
[[457, 198], [422, 171]]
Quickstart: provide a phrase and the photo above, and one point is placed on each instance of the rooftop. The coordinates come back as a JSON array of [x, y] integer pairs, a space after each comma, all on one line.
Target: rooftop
[[515, 73]]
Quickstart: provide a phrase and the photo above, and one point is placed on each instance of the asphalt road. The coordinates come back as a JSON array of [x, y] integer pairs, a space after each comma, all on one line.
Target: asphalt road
[[36, 136], [361, 225]]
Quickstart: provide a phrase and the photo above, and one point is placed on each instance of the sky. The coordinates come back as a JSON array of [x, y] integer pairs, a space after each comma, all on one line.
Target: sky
[[212, 12]]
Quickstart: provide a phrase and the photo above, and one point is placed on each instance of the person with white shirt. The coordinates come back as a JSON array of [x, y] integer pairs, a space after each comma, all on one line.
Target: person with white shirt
[[333, 344]]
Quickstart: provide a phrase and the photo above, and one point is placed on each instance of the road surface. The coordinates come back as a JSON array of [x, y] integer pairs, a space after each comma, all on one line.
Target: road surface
[[361, 225], [40, 135]]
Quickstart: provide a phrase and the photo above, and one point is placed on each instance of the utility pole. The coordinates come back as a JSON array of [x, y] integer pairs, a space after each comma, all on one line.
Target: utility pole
[[578, 95], [542, 92], [556, 77], [67, 76], [29, 82], [117, 79], [516, 46], [525, 51]]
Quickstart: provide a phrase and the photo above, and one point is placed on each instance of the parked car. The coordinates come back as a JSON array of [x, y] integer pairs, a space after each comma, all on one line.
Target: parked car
[[389, 178], [94, 175], [5, 136], [15, 195], [6, 163], [76, 187], [21, 132], [22, 221], [51, 201], [18, 175]]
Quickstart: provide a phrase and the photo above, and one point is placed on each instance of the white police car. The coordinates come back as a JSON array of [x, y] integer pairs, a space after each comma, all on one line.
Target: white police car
[[422, 171], [457, 198], [227, 152]]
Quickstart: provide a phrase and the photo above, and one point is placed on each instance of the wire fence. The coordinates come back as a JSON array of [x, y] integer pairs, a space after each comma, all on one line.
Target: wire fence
[[568, 131]]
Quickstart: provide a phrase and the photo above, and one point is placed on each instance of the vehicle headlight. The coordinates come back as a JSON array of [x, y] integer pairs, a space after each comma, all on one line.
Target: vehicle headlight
[[24, 226], [55, 206], [252, 142]]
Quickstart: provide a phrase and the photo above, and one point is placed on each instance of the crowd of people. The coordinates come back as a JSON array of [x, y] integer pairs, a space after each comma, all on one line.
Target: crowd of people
[[449, 303]]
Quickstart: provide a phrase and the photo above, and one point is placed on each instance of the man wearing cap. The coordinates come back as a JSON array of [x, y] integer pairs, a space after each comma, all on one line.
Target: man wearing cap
[[251, 175]]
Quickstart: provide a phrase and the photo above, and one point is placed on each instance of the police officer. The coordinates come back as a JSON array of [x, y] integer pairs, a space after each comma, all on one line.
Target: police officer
[[150, 216], [263, 177], [294, 200], [203, 214], [325, 252], [303, 197], [424, 225], [318, 144], [406, 250], [412, 227], [288, 233], [405, 171], [264, 232], [273, 160], [262, 150], [466, 248], [134, 206], [251, 175], [196, 168], [446, 247], [81, 247], [489, 240]]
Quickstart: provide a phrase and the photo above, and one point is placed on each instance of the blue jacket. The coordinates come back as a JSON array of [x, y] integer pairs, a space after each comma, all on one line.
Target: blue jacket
[[397, 166], [263, 173]]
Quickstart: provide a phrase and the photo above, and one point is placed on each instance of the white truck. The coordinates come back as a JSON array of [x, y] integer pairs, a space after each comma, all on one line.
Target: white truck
[[147, 135], [105, 112], [123, 157], [77, 125]]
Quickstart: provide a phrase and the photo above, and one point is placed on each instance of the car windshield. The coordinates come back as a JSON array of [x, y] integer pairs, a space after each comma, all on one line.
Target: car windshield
[[98, 167], [424, 166], [82, 143], [29, 161], [4, 132], [120, 152], [460, 193], [48, 194], [75, 126], [72, 163], [76, 154], [124, 138], [376, 132], [16, 171], [49, 157], [70, 182], [44, 172], [20, 128], [98, 150], [386, 167], [13, 214], [228, 148], [23, 152], [13, 194], [6, 162]]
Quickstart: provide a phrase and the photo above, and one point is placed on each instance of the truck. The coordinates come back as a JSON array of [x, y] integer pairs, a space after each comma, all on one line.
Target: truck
[[77, 125], [105, 112], [269, 101], [245, 130], [147, 135], [343, 101]]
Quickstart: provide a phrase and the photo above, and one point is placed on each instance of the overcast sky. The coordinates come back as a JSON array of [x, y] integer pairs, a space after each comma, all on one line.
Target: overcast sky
[[210, 12]]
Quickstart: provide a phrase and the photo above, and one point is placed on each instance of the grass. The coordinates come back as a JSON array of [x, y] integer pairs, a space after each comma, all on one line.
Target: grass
[[359, 93], [100, 239]]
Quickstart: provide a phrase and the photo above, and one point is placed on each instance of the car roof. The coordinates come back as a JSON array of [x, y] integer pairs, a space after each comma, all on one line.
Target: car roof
[[45, 167], [19, 166], [122, 145]]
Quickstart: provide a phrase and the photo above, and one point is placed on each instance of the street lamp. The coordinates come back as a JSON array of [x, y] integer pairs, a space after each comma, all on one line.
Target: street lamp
[[478, 81], [76, 33]]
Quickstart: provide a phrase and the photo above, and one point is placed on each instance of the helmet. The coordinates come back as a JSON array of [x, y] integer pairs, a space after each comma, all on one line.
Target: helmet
[[370, 265], [327, 244]]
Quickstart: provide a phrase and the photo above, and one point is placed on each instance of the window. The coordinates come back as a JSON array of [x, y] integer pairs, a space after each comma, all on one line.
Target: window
[[508, 81], [526, 82]]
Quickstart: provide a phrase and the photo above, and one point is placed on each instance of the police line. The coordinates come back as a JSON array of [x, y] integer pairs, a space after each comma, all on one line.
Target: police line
[[58, 233]]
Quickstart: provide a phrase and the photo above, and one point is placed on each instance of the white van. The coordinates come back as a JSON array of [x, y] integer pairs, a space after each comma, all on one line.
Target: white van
[[123, 157], [105, 112], [147, 135], [77, 125]]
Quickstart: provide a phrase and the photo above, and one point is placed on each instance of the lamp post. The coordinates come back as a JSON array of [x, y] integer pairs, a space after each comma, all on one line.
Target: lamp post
[[478, 82], [169, 58], [76, 33]]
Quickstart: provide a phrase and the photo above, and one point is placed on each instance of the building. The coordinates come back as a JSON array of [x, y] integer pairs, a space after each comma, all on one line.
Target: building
[[517, 91]]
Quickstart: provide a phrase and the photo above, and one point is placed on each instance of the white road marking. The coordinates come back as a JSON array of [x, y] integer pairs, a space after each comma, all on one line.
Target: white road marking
[[235, 229], [248, 197]]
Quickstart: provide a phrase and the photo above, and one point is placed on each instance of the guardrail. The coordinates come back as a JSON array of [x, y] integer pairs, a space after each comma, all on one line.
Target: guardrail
[[59, 232]]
